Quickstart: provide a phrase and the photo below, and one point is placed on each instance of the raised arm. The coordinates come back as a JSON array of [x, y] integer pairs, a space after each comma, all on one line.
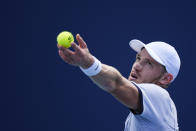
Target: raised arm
[[109, 79]]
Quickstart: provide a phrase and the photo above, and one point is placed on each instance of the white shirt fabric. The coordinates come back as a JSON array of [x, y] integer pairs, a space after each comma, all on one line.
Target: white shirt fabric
[[159, 111]]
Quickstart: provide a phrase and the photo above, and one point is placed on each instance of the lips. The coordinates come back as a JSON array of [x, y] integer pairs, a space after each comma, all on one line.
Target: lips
[[133, 75]]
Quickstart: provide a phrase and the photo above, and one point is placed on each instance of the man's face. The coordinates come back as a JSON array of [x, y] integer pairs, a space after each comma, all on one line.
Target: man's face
[[145, 69]]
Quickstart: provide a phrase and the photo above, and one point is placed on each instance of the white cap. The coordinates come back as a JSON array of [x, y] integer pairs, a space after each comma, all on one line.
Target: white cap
[[161, 52]]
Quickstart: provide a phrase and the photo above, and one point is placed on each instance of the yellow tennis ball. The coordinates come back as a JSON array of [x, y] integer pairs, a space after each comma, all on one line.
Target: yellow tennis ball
[[65, 39]]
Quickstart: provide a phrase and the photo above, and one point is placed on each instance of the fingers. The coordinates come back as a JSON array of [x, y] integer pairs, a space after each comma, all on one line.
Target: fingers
[[64, 57], [75, 47], [81, 42], [65, 50], [74, 56], [68, 55]]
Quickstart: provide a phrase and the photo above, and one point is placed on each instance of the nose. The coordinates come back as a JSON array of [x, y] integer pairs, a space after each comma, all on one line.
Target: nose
[[138, 66]]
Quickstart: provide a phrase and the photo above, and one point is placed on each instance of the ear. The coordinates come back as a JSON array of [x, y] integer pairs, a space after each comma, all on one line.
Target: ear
[[166, 79]]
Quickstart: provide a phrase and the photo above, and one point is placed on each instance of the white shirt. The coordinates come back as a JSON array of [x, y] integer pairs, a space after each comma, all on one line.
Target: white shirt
[[159, 112]]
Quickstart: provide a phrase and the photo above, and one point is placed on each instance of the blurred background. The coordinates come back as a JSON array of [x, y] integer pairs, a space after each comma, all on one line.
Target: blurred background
[[39, 92]]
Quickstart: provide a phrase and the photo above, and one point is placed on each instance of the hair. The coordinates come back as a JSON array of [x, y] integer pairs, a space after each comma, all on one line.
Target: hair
[[163, 69]]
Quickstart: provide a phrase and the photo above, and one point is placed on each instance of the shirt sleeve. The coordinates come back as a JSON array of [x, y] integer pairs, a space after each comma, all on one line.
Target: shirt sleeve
[[156, 105], [155, 101], [140, 109]]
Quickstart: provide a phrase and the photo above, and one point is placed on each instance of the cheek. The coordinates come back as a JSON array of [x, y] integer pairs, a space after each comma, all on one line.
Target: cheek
[[151, 74], [132, 66], [148, 74]]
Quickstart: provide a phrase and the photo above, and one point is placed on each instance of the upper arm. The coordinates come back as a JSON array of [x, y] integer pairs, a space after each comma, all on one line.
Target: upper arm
[[127, 93]]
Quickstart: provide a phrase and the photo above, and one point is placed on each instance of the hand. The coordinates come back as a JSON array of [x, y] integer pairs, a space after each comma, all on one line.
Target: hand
[[80, 56]]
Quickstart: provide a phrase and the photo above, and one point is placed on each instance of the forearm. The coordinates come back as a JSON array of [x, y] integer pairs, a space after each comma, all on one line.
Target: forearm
[[110, 80], [107, 79]]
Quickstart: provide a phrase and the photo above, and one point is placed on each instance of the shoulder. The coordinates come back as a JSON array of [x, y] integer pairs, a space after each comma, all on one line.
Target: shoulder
[[158, 105], [152, 97], [153, 90]]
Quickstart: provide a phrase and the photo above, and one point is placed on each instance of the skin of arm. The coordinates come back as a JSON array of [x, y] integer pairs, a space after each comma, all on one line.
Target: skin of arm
[[109, 79]]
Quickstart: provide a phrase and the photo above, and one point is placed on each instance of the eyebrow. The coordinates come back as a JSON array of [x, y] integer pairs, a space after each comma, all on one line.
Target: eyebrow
[[147, 59]]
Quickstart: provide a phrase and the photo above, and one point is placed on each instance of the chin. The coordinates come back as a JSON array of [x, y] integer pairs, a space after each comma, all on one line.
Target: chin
[[134, 80]]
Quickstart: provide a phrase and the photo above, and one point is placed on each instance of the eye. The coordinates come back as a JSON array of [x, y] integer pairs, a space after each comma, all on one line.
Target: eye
[[150, 63], [138, 58]]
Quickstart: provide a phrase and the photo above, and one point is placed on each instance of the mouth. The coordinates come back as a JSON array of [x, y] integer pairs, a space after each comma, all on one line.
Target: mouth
[[133, 76]]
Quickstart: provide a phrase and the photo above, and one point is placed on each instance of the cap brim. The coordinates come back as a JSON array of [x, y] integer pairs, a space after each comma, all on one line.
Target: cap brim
[[137, 45]]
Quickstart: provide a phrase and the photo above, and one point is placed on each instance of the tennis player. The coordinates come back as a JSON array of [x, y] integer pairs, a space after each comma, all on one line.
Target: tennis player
[[157, 64]]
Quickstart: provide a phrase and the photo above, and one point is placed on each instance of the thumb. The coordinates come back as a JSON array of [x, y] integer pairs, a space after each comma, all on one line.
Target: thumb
[[81, 42]]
